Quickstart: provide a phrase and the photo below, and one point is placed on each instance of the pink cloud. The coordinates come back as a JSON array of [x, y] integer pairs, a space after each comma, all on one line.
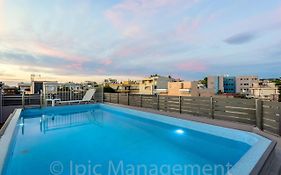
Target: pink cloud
[[106, 62], [2, 19], [75, 66], [128, 15], [127, 51], [148, 6], [43, 49], [193, 66]]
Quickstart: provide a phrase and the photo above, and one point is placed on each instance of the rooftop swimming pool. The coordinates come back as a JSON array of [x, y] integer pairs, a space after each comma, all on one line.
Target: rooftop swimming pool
[[104, 139]]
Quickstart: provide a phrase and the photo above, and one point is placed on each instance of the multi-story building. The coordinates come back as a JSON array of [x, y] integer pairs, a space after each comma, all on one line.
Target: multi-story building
[[50, 87], [244, 83], [70, 86], [200, 90], [89, 85], [25, 87], [129, 86], [10, 90], [189, 88], [36, 87], [180, 88], [265, 90], [155, 84], [216, 83], [110, 81], [229, 83]]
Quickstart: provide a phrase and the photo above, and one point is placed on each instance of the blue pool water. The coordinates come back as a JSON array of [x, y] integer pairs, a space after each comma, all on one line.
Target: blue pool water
[[96, 139]]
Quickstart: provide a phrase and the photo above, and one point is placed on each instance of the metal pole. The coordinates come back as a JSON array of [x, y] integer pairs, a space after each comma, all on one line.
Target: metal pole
[[212, 110], [22, 100], [102, 93], [41, 99], [279, 115], [180, 104], [1, 105], [128, 100], [158, 107], [140, 100]]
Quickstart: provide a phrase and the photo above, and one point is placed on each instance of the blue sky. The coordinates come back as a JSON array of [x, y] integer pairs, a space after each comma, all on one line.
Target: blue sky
[[71, 40]]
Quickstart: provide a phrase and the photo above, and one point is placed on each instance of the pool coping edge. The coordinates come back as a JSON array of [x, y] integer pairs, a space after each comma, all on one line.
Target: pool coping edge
[[7, 136]]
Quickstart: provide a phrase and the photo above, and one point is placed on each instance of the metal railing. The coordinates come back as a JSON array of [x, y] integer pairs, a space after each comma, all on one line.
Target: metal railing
[[1, 107], [262, 114]]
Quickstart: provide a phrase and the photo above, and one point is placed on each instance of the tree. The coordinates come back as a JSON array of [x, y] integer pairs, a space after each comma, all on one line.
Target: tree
[[204, 81], [108, 89]]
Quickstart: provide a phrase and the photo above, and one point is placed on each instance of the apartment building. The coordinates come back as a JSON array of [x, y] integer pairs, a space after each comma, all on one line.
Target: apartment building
[[180, 88], [50, 87], [189, 88], [129, 86], [216, 83], [222, 84], [229, 84], [110, 81], [154, 84], [265, 90], [244, 83], [25, 87]]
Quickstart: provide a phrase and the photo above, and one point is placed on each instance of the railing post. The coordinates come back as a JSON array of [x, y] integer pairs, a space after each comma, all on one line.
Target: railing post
[[1, 105], [70, 94], [212, 108], [109, 97], [140, 100], [41, 99], [259, 114], [128, 100], [117, 98], [22, 100], [102, 94], [158, 102], [279, 115], [180, 104]]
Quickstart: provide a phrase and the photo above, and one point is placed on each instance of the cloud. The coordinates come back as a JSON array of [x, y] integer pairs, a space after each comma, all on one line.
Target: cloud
[[2, 22], [241, 38], [106, 62], [192, 66], [135, 17]]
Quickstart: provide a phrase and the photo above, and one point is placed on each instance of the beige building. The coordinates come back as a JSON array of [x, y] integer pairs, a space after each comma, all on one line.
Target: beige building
[[265, 90], [188, 88], [131, 87], [216, 84], [179, 88], [200, 90], [25, 87], [244, 83], [154, 84]]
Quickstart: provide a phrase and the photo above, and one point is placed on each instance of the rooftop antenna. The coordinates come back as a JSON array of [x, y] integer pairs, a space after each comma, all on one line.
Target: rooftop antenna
[[33, 76]]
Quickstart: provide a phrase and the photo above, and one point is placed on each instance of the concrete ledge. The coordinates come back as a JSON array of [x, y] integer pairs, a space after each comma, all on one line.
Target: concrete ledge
[[7, 136]]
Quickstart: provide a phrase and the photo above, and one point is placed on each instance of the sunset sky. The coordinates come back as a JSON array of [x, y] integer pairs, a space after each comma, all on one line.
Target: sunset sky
[[77, 40]]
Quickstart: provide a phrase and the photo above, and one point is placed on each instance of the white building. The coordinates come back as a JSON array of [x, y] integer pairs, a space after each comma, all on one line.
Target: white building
[[50, 87], [154, 84], [265, 91], [244, 83], [25, 87]]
